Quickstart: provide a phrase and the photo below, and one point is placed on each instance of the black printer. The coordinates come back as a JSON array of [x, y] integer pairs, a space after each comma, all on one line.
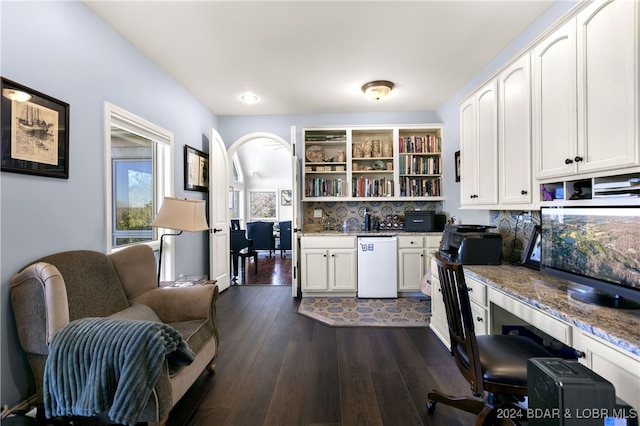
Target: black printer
[[471, 245]]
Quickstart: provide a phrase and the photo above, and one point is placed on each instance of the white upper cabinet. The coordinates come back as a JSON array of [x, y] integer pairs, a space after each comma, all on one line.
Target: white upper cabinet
[[585, 93], [554, 104], [479, 147], [607, 52], [514, 133]]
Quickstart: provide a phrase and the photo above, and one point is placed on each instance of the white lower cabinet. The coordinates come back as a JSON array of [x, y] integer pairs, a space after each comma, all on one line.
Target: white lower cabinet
[[621, 368], [414, 259], [328, 264]]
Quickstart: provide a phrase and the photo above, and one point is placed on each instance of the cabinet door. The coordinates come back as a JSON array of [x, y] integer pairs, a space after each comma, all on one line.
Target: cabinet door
[[438, 322], [314, 269], [607, 44], [487, 144], [342, 270], [411, 269], [514, 134], [468, 155], [554, 103], [620, 368]]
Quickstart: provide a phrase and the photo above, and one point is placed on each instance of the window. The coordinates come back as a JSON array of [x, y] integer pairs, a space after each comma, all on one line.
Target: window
[[236, 190], [139, 176], [262, 205]]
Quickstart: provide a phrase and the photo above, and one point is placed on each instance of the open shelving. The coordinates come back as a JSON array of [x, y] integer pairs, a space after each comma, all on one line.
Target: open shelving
[[387, 162]]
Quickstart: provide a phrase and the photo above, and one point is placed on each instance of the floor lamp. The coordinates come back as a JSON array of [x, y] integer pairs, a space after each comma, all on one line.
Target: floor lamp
[[180, 214]]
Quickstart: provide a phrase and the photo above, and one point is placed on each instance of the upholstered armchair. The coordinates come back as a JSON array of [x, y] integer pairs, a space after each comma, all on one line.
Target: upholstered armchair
[[55, 290], [262, 235]]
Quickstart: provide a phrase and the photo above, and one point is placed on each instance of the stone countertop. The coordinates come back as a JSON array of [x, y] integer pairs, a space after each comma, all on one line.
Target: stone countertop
[[549, 294]]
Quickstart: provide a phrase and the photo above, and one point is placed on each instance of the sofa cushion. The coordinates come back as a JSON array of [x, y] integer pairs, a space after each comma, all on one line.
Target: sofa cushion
[[137, 311], [196, 333]]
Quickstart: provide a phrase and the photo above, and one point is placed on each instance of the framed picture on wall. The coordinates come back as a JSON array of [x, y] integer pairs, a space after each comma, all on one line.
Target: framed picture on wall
[[457, 165], [35, 132], [196, 170], [285, 197], [531, 257]]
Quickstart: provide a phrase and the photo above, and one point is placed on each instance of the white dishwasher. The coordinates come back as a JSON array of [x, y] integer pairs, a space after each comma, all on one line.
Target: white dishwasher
[[377, 267]]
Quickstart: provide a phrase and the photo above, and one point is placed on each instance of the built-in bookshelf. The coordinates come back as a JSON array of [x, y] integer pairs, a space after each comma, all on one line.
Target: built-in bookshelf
[[373, 163], [420, 164]]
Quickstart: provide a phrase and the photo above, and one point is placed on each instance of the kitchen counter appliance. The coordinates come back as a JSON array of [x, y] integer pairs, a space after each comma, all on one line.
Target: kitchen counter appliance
[[377, 267], [471, 245]]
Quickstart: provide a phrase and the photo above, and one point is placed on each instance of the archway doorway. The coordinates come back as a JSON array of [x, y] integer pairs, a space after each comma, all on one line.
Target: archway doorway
[[261, 183]]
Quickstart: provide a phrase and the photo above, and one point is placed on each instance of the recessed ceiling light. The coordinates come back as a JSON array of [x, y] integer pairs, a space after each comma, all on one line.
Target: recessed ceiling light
[[249, 98]]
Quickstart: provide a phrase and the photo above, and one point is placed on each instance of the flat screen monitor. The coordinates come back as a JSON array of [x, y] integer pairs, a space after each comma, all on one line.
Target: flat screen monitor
[[596, 247]]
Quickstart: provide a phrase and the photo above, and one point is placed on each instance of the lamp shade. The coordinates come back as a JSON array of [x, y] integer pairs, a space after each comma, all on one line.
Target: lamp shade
[[182, 215]]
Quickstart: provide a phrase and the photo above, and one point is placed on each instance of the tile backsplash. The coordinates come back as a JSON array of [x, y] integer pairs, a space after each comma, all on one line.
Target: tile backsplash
[[335, 214], [515, 231]]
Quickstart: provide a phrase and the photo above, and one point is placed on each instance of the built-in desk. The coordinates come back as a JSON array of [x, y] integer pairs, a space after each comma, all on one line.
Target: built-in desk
[[609, 339]]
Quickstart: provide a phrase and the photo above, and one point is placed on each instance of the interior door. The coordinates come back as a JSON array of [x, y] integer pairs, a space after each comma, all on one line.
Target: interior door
[[218, 212], [295, 226]]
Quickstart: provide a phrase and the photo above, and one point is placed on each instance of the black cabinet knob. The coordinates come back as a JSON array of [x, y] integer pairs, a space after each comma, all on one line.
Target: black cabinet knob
[[524, 192], [578, 159], [479, 319], [568, 161]]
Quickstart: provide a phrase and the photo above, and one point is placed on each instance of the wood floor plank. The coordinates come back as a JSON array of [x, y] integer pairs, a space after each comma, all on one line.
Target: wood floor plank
[[359, 402], [396, 406], [322, 401]]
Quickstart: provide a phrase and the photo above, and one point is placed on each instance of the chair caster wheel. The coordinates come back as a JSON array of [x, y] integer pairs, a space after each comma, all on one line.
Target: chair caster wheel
[[431, 406]]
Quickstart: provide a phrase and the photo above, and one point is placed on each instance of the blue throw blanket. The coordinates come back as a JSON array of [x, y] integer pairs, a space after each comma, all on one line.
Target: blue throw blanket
[[100, 364]]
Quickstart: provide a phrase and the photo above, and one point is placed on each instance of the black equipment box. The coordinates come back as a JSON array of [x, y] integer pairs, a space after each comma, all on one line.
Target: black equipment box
[[471, 245], [566, 393]]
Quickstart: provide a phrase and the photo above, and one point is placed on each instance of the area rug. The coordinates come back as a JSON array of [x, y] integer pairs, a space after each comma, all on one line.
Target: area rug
[[355, 312]]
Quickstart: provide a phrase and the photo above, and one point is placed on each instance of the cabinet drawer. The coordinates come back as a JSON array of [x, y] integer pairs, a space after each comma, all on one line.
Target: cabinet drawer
[[433, 241], [328, 242], [477, 291], [410, 241], [479, 319]]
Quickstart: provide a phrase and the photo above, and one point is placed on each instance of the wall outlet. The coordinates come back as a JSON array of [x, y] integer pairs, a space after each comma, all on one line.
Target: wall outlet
[[526, 217], [317, 212]]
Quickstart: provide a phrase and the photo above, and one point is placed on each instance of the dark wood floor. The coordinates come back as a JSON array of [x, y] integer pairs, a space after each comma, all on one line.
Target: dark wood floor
[[274, 270], [277, 367]]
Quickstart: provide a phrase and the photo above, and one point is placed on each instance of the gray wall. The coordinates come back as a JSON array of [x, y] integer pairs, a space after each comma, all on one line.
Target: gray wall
[[63, 50], [83, 62]]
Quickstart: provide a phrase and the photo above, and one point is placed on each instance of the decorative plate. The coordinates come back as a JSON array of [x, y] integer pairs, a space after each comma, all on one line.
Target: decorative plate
[[315, 154]]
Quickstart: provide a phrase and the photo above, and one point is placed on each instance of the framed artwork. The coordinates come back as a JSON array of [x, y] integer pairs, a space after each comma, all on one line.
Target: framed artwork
[[531, 257], [196, 170], [285, 197], [35, 132], [457, 165]]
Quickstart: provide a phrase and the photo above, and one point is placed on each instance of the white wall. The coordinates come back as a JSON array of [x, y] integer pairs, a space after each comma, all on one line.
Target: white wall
[[63, 50]]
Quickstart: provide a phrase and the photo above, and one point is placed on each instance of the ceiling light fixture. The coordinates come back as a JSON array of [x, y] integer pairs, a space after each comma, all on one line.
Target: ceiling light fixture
[[378, 89], [249, 98]]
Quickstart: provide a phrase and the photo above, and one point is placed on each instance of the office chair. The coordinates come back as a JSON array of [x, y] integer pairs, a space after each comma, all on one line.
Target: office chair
[[494, 365]]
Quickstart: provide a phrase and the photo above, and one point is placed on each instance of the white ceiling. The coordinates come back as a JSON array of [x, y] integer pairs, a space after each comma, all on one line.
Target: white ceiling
[[314, 56]]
